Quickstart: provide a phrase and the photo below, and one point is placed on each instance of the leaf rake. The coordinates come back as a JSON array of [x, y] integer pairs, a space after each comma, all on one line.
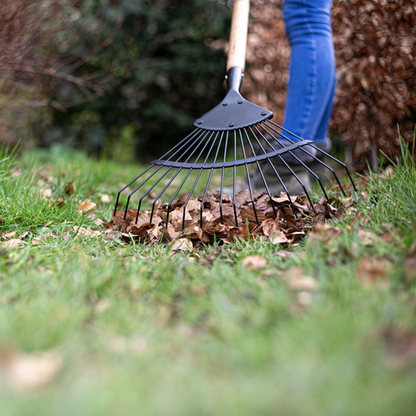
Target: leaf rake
[[238, 127]]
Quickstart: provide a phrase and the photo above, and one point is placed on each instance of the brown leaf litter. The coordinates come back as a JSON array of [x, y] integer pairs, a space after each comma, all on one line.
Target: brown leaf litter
[[279, 221]]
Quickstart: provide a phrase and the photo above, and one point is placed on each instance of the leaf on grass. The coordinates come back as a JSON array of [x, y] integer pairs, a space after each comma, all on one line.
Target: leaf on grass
[[373, 271], [254, 262], [105, 199], [367, 238], [297, 280], [58, 202], [9, 235], [86, 207], [112, 235], [69, 188], [30, 371], [409, 267], [325, 233], [278, 238], [85, 232], [43, 237], [46, 192], [401, 346], [15, 242], [182, 244]]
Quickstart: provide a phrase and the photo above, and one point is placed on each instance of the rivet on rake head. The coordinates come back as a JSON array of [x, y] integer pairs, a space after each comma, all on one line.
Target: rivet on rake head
[[224, 104], [240, 101], [230, 124], [263, 113], [199, 121]]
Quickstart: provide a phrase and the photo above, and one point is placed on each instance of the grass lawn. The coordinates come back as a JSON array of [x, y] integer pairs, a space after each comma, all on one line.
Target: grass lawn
[[94, 326]]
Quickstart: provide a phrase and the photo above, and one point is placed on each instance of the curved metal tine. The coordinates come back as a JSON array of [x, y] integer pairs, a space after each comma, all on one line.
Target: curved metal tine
[[162, 192], [210, 174], [323, 152], [248, 178], [287, 131], [190, 137], [149, 190], [234, 177], [187, 138], [274, 169], [284, 187], [291, 171], [222, 175], [137, 188], [189, 172], [338, 161], [199, 174], [261, 171], [122, 189], [177, 173], [316, 159], [278, 132]]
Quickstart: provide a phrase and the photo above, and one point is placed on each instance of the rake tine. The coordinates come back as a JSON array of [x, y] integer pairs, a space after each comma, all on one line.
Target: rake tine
[[275, 171], [312, 173], [176, 193], [149, 190], [187, 175], [222, 176], [122, 189], [322, 151], [137, 188], [189, 137], [205, 194], [261, 172], [162, 192], [189, 197], [248, 179], [184, 142], [234, 177], [317, 160], [199, 174], [300, 182], [338, 161], [284, 186], [210, 176], [292, 172]]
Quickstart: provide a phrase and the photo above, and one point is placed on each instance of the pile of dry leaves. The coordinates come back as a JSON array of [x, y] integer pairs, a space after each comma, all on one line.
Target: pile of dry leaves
[[279, 221]]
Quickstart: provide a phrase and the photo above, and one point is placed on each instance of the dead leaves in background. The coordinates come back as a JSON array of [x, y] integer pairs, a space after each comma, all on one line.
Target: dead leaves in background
[[219, 219], [29, 372]]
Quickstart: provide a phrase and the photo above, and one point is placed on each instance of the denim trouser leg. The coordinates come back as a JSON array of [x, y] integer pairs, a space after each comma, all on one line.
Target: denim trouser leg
[[312, 78]]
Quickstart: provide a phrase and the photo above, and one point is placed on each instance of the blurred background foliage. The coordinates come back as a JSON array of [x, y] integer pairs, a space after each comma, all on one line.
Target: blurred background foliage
[[125, 79], [152, 73]]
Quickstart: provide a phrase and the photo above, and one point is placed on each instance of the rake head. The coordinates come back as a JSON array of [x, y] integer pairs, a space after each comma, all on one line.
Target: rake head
[[233, 135]]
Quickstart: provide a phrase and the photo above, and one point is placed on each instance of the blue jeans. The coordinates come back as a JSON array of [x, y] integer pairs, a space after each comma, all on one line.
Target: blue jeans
[[312, 78]]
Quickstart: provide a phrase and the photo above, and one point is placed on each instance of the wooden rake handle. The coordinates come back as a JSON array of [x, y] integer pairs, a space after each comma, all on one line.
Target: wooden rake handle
[[238, 35]]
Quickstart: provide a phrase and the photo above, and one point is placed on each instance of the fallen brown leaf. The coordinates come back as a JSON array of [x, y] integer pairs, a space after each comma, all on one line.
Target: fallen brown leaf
[[254, 262], [15, 242], [373, 271], [69, 188], [182, 244], [86, 207], [297, 280], [9, 235], [30, 371]]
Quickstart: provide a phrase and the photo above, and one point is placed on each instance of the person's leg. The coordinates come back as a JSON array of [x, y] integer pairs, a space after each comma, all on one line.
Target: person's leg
[[312, 68]]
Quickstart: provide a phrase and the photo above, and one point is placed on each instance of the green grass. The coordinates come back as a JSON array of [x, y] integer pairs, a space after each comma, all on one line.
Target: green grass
[[140, 331]]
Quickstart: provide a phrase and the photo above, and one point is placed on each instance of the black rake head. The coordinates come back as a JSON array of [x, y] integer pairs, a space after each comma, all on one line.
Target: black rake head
[[233, 135]]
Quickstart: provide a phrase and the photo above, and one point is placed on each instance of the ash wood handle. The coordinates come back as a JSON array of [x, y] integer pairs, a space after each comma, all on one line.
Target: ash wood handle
[[238, 35]]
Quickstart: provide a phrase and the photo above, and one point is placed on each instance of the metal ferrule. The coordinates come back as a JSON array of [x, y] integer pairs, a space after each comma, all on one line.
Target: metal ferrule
[[234, 78]]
